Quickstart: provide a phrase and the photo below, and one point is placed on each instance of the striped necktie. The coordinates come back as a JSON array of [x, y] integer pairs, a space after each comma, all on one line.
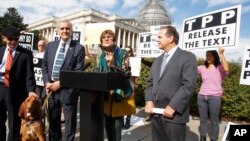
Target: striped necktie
[[7, 67], [58, 62], [164, 63]]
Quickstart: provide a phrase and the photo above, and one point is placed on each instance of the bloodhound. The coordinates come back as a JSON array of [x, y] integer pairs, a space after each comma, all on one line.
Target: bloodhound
[[32, 126]]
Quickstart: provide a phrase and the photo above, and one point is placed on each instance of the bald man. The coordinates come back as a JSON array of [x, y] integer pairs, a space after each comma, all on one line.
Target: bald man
[[37, 67]]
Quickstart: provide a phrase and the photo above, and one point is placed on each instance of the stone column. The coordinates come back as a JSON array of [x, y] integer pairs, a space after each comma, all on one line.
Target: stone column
[[124, 39], [133, 41], [43, 33], [47, 34], [118, 43], [53, 29], [128, 40], [137, 40]]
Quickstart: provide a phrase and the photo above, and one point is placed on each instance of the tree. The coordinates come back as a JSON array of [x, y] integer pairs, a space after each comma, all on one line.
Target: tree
[[36, 38], [12, 18]]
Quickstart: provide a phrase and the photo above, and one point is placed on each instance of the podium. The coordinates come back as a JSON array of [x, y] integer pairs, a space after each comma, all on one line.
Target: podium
[[92, 87]]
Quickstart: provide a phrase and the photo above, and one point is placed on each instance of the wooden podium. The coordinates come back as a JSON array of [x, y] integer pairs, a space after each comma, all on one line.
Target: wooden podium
[[92, 87]]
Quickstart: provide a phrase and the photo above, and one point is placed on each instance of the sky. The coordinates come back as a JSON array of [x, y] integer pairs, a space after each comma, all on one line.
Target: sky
[[35, 10]]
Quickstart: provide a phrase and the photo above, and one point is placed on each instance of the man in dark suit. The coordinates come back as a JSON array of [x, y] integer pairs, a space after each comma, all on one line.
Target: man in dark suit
[[63, 54], [17, 81], [171, 83]]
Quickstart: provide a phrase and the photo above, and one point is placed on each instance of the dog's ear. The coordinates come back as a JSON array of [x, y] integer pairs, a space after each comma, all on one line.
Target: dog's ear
[[21, 112], [37, 109]]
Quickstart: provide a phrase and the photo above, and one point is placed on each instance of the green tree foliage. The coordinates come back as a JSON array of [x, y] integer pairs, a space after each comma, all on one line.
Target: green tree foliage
[[141, 83], [236, 97], [36, 39], [11, 18]]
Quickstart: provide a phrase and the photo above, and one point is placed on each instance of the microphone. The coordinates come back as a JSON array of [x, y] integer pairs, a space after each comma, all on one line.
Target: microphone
[[86, 66], [126, 73]]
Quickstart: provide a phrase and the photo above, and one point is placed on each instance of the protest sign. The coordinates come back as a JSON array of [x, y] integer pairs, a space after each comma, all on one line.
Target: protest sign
[[144, 49], [245, 70], [213, 29], [154, 30], [94, 30], [135, 64], [37, 61], [26, 40]]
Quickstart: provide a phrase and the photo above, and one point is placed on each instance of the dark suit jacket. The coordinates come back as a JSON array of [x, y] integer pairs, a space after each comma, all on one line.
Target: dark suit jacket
[[176, 85], [22, 80], [74, 60]]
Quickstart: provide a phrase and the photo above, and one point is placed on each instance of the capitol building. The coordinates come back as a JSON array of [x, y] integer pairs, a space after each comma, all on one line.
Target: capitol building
[[153, 12]]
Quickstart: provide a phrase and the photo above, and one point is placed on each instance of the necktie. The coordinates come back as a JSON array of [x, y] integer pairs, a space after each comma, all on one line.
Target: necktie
[[58, 62], [7, 67], [164, 63]]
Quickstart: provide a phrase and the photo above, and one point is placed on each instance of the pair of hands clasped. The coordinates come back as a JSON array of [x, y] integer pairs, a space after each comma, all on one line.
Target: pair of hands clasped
[[52, 87], [168, 111]]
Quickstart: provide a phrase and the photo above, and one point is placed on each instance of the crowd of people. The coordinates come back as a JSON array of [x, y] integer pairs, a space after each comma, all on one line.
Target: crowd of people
[[171, 84]]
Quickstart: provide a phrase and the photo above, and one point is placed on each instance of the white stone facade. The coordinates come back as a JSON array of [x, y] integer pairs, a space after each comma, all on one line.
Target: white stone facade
[[126, 29]]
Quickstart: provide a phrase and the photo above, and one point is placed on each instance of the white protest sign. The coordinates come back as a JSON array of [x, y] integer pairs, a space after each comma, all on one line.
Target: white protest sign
[[154, 30], [135, 64], [213, 29], [245, 70], [143, 49], [37, 61], [93, 48], [26, 40], [94, 30]]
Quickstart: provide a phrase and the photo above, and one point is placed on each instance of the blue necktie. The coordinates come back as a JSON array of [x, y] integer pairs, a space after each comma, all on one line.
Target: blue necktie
[[58, 62], [164, 63]]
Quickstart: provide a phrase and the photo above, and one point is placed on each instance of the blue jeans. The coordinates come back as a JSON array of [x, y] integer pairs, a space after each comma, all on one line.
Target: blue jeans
[[209, 105]]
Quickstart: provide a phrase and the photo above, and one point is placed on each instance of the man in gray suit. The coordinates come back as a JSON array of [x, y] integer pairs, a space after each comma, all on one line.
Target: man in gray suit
[[63, 54], [171, 84]]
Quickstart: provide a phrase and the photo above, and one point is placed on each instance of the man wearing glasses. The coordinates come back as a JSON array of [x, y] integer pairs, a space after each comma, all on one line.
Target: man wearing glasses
[[17, 81]]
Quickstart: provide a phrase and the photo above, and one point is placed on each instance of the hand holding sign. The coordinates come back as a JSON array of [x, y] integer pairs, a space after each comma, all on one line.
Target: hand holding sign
[[221, 50]]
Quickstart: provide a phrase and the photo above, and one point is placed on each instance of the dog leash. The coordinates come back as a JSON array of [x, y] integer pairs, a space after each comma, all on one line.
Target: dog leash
[[46, 110]]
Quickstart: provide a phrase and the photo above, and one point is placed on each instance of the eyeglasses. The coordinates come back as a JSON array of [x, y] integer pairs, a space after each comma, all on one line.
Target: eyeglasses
[[13, 38], [109, 37]]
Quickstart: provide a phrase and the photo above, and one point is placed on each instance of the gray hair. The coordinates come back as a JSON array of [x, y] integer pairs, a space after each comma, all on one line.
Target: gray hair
[[64, 21]]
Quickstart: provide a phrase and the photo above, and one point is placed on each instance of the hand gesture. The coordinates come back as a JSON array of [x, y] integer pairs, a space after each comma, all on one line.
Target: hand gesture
[[221, 50], [109, 58]]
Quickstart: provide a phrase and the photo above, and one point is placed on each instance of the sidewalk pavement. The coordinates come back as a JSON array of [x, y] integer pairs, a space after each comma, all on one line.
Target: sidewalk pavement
[[141, 131]]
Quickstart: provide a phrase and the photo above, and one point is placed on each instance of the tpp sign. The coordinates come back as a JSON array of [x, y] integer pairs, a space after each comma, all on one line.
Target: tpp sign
[[144, 49], [213, 29], [245, 70], [239, 132]]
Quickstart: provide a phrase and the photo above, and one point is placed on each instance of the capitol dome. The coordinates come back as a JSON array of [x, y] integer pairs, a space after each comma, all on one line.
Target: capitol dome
[[153, 12]]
